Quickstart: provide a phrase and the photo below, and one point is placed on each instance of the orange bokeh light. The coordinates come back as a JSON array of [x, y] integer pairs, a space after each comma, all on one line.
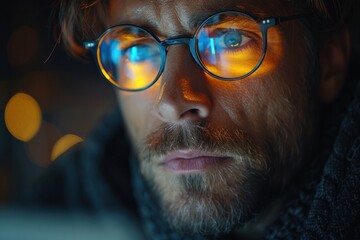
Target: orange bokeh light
[[23, 116]]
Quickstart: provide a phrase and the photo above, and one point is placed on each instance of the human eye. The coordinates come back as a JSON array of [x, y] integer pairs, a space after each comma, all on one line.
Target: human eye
[[223, 40], [231, 39]]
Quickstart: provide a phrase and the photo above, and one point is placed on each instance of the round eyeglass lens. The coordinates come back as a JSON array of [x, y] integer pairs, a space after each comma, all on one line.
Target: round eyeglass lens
[[129, 57], [230, 45]]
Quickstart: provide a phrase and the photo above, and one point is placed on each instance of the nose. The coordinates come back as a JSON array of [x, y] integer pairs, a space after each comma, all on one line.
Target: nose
[[184, 93]]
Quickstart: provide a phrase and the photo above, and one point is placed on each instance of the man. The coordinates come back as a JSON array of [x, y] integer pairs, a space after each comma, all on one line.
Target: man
[[237, 112]]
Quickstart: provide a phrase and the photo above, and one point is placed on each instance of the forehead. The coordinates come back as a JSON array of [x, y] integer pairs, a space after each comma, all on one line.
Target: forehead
[[176, 14]]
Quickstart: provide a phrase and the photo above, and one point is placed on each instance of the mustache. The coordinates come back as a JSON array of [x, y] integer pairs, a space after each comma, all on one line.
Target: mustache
[[200, 136]]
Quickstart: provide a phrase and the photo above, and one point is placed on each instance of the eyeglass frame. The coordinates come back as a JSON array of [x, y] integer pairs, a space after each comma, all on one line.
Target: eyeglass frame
[[264, 24]]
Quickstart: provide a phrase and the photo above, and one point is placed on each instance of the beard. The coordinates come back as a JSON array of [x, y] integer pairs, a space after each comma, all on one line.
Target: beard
[[217, 200], [220, 199]]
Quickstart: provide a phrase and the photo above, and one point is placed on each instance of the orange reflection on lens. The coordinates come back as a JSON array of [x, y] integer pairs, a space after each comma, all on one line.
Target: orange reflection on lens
[[137, 75], [129, 57], [241, 64], [235, 65]]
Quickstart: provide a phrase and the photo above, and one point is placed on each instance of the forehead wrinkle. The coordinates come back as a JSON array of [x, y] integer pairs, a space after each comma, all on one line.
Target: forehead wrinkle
[[124, 12], [258, 9], [185, 20], [248, 7], [169, 18]]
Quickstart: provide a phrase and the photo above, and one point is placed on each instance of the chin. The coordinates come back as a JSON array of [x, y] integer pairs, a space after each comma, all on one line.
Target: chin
[[212, 202]]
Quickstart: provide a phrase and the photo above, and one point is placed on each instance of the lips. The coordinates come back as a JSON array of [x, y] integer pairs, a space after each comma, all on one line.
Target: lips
[[186, 161]]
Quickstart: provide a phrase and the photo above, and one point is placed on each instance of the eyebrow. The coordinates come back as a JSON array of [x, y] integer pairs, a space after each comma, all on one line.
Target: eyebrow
[[249, 7], [255, 11], [196, 19]]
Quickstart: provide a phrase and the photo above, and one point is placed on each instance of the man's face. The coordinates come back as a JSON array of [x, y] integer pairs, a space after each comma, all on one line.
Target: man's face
[[209, 148]]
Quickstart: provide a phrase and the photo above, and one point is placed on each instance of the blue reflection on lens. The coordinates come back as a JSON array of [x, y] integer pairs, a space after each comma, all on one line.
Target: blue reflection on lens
[[207, 48], [115, 52], [142, 53], [212, 46], [110, 56], [134, 54]]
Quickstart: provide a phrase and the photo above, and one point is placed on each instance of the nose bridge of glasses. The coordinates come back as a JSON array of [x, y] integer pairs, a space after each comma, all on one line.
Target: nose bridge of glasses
[[190, 42], [176, 41]]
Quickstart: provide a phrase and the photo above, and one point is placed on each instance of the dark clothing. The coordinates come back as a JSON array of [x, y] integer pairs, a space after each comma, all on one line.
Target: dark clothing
[[323, 201]]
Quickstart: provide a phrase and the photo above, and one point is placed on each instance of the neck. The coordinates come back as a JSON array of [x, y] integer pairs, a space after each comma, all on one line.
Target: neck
[[255, 229]]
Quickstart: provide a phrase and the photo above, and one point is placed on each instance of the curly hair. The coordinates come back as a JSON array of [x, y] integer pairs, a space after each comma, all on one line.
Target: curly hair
[[77, 20]]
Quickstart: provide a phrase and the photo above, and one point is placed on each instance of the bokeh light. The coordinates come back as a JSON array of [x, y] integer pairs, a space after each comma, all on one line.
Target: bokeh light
[[63, 144], [23, 116]]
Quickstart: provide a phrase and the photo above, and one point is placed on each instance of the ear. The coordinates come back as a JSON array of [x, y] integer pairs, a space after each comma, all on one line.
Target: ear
[[334, 59]]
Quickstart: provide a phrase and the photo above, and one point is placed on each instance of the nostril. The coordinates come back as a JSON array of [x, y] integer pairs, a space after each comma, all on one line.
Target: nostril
[[180, 110], [194, 113], [191, 113]]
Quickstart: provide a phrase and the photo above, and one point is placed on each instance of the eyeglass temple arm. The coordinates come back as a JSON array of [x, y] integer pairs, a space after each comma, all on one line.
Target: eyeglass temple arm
[[272, 21], [90, 45], [288, 18]]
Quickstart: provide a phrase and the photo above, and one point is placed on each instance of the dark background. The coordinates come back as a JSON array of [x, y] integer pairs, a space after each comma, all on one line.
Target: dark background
[[71, 93]]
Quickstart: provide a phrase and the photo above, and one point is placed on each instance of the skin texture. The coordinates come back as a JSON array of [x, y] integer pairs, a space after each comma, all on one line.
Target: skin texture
[[260, 127]]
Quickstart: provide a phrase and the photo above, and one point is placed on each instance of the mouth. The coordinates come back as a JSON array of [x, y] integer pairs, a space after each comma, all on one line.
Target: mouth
[[189, 161]]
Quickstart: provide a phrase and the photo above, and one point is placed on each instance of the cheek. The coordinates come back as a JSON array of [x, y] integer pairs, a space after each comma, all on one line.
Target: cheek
[[247, 101], [259, 105], [241, 105], [137, 110]]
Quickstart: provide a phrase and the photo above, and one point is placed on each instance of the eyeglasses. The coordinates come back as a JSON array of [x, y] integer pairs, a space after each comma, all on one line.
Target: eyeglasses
[[228, 45]]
